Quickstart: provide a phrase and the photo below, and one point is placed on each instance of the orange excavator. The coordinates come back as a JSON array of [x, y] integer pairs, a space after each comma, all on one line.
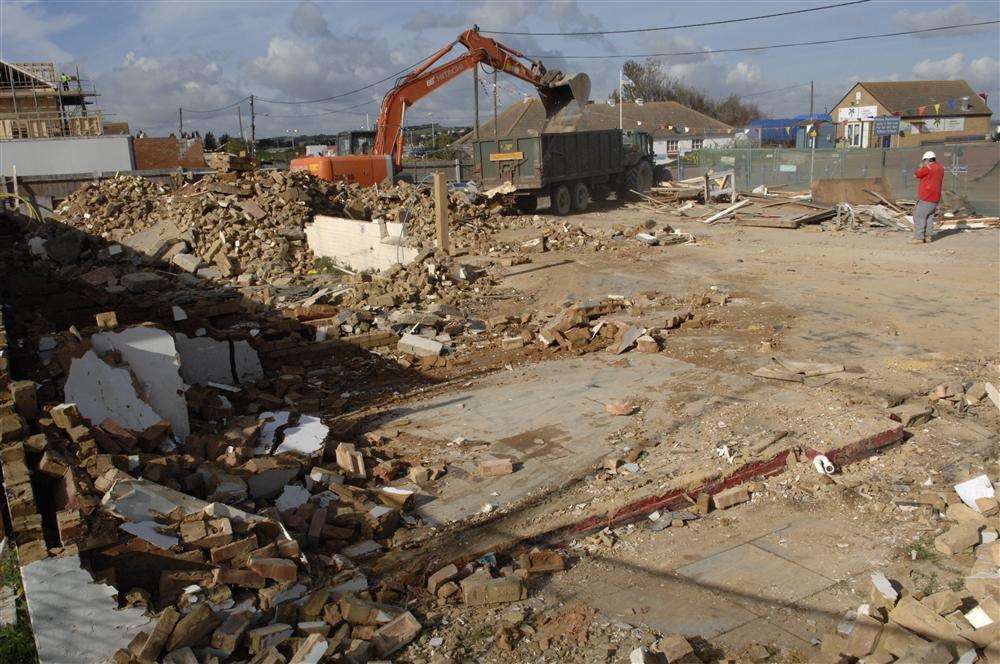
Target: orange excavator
[[386, 158]]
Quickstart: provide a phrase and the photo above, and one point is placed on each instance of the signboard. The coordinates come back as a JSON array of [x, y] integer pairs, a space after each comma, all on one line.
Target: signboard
[[944, 124], [886, 125], [787, 168], [857, 113], [506, 156]]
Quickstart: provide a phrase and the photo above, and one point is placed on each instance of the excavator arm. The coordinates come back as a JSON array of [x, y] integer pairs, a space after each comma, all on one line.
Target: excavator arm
[[555, 90], [386, 157]]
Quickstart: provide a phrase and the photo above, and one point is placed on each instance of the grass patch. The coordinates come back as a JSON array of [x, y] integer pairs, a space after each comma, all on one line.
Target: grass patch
[[923, 550], [17, 645]]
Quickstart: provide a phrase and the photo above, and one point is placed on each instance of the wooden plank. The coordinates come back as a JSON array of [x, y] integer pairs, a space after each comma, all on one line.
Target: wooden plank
[[725, 213], [768, 222]]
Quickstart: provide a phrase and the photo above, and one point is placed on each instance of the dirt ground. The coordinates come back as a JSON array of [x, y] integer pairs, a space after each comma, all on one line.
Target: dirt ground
[[780, 570]]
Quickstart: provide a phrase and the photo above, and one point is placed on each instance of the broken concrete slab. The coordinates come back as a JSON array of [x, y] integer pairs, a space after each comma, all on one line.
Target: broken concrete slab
[[102, 392], [155, 240], [67, 606], [152, 356], [205, 360], [419, 346]]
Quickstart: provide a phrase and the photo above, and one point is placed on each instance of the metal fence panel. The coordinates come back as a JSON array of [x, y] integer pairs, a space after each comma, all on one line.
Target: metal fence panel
[[972, 169]]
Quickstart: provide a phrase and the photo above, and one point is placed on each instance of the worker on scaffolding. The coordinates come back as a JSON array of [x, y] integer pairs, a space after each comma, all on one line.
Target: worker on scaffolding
[[64, 79]]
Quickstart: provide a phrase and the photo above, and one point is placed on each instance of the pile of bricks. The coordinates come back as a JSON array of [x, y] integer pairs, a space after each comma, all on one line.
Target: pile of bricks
[[960, 623], [243, 228]]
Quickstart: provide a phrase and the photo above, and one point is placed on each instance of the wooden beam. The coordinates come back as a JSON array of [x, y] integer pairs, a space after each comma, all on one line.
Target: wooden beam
[[441, 211]]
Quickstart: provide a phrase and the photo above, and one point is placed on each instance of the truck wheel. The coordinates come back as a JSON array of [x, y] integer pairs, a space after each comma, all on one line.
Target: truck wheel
[[581, 197], [637, 178], [562, 201], [644, 177], [527, 204]]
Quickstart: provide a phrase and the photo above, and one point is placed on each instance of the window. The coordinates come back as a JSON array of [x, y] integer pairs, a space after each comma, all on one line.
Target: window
[[696, 143], [854, 134], [672, 146]]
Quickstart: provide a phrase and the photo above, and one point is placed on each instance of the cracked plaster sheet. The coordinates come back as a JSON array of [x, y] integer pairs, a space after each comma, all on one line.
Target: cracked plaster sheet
[[306, 437], [153, 358], [101, 391], [71, 613]]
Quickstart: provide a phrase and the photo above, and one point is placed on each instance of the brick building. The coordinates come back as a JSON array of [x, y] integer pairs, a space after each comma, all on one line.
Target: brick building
[[929, 112]]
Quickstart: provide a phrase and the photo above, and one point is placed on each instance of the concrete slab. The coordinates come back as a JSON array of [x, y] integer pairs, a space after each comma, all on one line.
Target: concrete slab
[[74, 618], [755, 575], [831, 548], [547, 417]]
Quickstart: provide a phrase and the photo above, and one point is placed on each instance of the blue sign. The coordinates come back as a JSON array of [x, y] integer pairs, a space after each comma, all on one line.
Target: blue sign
[[885, 125]]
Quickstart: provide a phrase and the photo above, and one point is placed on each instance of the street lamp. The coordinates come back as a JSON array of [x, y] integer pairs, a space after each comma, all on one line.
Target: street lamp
[[291, 136]]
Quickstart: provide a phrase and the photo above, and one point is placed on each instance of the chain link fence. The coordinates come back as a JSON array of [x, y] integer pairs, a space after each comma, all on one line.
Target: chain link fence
[[972, 169]]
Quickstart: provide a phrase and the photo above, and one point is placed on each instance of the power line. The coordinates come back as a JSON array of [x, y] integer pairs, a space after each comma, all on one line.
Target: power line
[[767, 92], [676, 27], [332, 111], [763, 47], [216, 110], [346, 94]]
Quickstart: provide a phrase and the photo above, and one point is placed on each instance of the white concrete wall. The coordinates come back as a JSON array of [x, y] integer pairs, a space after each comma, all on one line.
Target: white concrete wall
[[57, 156], [358, 245]]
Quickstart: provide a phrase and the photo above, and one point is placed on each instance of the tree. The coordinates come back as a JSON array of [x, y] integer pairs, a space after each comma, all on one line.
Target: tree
[[223, 139], [648, 81], [209, 143]]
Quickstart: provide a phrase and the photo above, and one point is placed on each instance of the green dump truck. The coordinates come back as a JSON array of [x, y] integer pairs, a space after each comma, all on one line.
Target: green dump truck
[[570, 169]]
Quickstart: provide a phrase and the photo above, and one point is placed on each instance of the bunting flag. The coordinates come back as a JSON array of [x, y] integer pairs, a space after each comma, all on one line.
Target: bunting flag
[[952, 104], [921, 110], [937, 108]]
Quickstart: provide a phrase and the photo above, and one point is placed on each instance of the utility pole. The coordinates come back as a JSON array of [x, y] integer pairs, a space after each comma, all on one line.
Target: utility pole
[[621, 96], [496, 115], [180, 122], [253, 129], [239, 112], [815, 135], [475, 97]]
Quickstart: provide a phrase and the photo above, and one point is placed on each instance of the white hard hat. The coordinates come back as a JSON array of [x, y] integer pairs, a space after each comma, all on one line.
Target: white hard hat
[[929, 155]]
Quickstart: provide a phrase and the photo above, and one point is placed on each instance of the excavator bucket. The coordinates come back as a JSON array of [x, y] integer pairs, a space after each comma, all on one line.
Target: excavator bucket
[[564, 90]]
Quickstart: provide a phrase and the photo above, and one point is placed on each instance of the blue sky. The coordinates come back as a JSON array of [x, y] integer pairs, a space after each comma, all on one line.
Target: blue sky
[[148, 58]]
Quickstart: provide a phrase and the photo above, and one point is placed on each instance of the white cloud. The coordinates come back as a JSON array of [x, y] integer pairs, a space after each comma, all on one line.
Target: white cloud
[[946, 68], [743, 73], [986, 71], [982, 72], [956, 14], [308, 20], [191, 81], [28, 32]]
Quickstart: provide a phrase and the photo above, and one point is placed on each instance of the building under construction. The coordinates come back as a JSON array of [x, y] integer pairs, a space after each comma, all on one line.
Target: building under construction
[[36, 101]]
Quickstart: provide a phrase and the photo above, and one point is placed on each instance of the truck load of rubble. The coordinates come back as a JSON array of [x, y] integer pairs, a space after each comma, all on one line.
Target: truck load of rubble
[[252, 224]]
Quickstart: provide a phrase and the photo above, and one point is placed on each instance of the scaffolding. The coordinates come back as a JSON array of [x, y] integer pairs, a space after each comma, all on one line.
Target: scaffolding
[[38, 102]]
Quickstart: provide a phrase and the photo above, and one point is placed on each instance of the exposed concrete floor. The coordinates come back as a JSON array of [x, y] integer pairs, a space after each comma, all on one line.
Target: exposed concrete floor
[[548, 418], [909, 316]]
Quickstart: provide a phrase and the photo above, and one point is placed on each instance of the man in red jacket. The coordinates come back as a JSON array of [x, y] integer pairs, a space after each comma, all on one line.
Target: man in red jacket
[[931, 175]]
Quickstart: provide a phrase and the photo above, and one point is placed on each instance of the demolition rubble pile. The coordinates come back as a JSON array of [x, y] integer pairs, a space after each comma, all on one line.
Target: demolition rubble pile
[[250, 227], [959, 623]]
